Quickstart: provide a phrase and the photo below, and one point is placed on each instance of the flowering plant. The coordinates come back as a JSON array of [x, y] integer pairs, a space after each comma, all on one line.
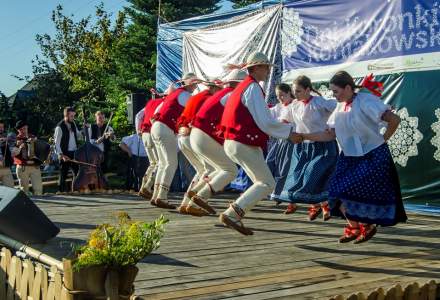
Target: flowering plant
[[124, 243]]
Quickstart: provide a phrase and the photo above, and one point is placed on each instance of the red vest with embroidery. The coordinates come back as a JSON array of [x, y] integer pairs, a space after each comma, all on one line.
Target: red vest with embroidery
[[237, 122], [170, 110], [191, 108], [210, 114], [150, 108]]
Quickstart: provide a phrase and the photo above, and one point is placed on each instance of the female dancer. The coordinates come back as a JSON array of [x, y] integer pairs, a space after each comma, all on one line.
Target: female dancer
[[365, 186], [312, 163], [279, 155]]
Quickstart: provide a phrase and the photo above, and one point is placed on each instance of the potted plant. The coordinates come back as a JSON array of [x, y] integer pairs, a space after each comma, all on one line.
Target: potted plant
[[106, 265]]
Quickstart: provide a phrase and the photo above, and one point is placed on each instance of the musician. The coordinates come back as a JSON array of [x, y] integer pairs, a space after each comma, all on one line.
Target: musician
[[101, 139], [6, 160], [66, 143], [134, 147], [27, 166]]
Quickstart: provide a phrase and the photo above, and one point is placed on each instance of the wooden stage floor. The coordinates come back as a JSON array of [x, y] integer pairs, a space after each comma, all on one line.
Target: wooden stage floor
[[287, 258]]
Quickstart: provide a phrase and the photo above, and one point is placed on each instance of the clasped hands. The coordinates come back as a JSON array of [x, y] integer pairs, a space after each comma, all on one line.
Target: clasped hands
[[296, 138]]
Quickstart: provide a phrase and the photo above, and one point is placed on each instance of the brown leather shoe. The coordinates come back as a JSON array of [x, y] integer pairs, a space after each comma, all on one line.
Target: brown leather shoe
[[203, 204], [153, 202], [238, 226], [182, 209], [164, 204], [196, 211], [145, 194]]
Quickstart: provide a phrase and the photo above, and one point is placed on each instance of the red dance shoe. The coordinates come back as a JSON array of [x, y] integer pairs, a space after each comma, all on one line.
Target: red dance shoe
[[291, 208], [366, 233], [314, 212], [325, 212], [350, 234]]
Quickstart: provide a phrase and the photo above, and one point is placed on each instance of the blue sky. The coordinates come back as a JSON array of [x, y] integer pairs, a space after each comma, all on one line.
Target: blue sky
[[21, 20]]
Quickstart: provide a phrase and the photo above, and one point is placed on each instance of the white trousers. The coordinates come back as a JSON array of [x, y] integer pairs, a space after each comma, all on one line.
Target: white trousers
[[148, 179], [24, 173], [165, 142], [200, 165], [251, 159], [210, 150], [6, 177]]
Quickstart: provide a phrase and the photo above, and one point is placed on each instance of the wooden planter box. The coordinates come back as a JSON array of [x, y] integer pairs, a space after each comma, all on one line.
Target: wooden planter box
[[99, 282]]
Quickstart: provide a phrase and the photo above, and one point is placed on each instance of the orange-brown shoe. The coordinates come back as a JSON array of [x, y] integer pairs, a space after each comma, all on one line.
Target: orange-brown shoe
[[145, 194], [203, 204], [238, 226], [196, 211], [182, 209], [164, 204]]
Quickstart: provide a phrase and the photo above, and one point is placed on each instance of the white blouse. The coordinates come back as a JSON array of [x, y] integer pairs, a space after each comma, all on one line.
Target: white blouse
[[312, 117], [281, 112], [253, 99], [358, 127]]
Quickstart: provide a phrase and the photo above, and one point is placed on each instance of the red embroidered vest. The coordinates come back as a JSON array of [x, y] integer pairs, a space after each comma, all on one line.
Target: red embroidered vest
[[210, 114], [237, 122], [170, 110], [192, 107], [150, 108]]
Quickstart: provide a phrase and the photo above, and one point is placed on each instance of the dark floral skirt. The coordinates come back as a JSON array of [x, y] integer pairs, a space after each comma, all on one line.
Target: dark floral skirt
[[368, 188]]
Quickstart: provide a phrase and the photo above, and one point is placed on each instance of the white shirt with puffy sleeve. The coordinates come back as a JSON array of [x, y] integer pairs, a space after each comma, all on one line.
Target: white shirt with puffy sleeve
[[253, 99], [312, 116], [282, 112], [358, 125]]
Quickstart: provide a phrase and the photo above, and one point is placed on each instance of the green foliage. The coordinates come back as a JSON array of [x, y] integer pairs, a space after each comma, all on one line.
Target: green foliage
[[122, 244], [100, 61], [82, 51], [6, 114], [243, 3], [135, 53], [51, 93]]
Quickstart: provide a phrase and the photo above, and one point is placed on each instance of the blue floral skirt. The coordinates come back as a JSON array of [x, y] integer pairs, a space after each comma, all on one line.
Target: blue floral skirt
[[278, 159], [241, 183], [368, 188], [303, 170]]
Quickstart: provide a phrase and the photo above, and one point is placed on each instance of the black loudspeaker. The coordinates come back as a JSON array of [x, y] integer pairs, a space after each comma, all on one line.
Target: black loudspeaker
[[135, 102], [22, 220]]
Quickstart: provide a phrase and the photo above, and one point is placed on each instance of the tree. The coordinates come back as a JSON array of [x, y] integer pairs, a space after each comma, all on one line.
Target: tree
[[243, 3], [82, 51], [102, 62], [135, 53], [5, 111]]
